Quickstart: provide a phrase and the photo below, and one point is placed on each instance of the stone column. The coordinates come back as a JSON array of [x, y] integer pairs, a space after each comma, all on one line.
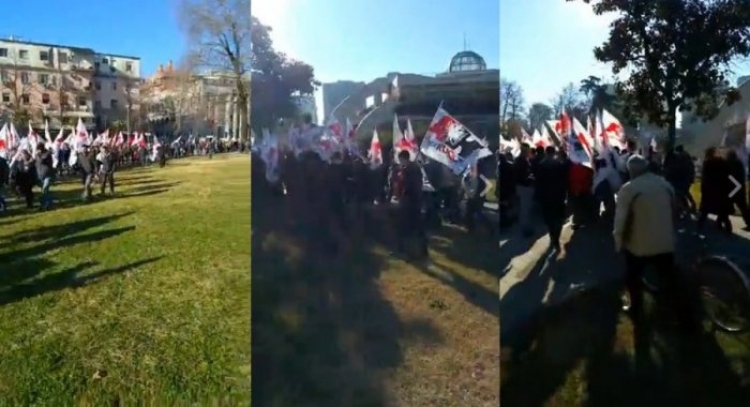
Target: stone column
[[227, 114], [217, 112], [235, 117]]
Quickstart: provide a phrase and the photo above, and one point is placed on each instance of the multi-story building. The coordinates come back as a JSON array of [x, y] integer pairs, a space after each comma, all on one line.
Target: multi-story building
[[306, 106], [334, 94], [182, 102], [116, 89], [62, 83]]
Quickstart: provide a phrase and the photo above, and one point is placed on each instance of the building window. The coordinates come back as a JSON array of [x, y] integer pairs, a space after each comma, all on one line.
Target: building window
[[114, 85], [25, 99], [128, 67], [81, 101], [45, 98], [54, 80], [96, 66], [112, 69], [25, 78], [43, 78], [98, 85], [44, 55], [6, 97], [3, 52], [105, 61], [63, 56], [63, 100], [97, 104], [113, 104], [23, 54]]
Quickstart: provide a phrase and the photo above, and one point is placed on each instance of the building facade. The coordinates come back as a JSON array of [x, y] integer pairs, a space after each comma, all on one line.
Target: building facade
[[182, 102], [116, 85], [57, 83], [467, 89], [334, 93]]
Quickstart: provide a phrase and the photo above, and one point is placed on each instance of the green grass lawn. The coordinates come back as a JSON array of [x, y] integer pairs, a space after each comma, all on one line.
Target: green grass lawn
[[138, 299], [585, 352], [367, 328]]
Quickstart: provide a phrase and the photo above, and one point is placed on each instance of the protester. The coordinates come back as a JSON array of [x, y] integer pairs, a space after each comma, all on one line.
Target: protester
[[45, 174]]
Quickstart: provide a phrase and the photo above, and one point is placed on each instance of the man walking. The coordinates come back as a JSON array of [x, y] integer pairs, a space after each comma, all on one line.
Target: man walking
[[86, 164], [107, 170], [45, 174]]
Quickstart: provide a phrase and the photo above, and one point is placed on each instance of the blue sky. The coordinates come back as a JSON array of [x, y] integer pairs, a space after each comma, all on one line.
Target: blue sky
[[546, 44], [148, 30], [362, 40]]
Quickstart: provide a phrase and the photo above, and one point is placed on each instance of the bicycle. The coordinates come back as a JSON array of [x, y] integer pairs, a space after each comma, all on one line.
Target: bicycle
[[716, 283]]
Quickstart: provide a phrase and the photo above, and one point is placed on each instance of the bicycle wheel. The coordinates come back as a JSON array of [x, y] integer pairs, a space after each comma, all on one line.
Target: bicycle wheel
[[725, 293]]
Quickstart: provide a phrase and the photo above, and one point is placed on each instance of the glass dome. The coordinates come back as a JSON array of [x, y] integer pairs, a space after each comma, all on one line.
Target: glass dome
[[466, 61]]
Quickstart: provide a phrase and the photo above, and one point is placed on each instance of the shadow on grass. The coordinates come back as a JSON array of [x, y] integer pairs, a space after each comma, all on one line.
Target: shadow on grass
[[72, 277], [69, 198], [323, 335], [15, 266]]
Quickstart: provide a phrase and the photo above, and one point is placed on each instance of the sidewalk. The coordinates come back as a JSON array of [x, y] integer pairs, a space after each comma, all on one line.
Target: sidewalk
[[532, 278]]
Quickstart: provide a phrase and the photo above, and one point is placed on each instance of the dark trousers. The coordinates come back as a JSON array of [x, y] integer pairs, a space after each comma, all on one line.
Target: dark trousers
[[26, 190], [475, 212], [447, 199], [553, 215], [411, 225], [669, 283], [581, 206], [722, 220], [107, 178]]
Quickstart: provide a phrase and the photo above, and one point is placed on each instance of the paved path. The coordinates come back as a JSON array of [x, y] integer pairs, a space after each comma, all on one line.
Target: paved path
[[533, 277]]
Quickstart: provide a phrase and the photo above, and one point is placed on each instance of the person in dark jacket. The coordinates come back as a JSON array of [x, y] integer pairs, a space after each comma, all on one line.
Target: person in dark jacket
[[474, 187], [107, 170], [409, 210], [24, 176], [87, 167], [715, 189], [739, 199], [4, 175], [45, 173], [552, 190], [524, 182]]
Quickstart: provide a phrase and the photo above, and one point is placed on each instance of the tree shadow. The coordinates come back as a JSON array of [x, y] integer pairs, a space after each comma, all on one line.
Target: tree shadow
[[322, 331], [573, 346], [60, 231], [71, 277], [583, 354]]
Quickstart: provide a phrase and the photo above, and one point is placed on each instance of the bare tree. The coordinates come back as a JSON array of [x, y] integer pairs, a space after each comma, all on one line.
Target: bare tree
[[221, 33], [17, 79], [64, 84], [511, 100], [131, 91], [571, 100]]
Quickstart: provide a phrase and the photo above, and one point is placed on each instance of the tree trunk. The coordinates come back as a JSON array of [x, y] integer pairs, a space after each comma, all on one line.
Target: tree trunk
[[672, 126]]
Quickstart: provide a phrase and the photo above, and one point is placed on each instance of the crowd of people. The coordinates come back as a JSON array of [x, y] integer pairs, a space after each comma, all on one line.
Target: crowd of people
[[417, 194], [639, 195], [24, 169]]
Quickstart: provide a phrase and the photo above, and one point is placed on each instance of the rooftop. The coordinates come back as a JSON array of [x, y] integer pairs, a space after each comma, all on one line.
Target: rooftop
[[17, 40]]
